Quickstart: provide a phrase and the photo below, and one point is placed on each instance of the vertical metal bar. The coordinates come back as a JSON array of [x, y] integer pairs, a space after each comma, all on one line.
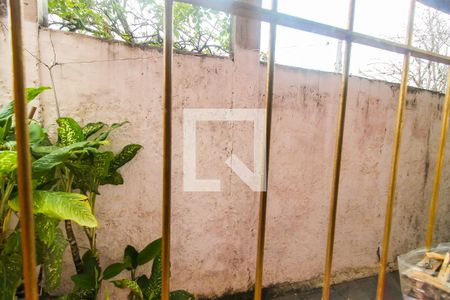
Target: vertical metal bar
[[438, 170], [23, 154], [268, 128], [167, 149], [338, 155], [395, 156]]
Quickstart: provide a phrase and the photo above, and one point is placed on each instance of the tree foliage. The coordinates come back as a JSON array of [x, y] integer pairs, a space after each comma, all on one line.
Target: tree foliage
[[140, 22], [431, 33]]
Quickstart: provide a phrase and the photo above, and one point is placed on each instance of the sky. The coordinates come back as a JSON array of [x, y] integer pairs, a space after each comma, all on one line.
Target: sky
[[381, 18]]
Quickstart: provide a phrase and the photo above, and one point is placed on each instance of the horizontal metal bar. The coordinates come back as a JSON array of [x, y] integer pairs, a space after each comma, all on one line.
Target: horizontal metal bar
[[257, 13]]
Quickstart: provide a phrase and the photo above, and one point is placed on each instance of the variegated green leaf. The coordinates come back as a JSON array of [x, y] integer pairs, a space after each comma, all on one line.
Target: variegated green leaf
[[181, 295], [129, 284], [114, 179], [8, 162], [52, 260], [101, 163], [56, 157], [62, 206], [104, 135], [10, 275], [128, 153], [155, 280], [45, 228], [92, 128], [69, 132]]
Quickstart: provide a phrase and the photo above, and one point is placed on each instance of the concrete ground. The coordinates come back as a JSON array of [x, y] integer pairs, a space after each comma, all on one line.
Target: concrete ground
[[361, 289]]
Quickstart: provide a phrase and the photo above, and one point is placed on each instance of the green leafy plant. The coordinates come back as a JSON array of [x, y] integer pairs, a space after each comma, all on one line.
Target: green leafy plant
[[79, 163], [142, 287], [196, 29], [49, 207]]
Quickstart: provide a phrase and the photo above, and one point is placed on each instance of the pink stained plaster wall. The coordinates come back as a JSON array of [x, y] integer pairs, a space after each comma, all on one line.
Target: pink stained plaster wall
[[214, 233]]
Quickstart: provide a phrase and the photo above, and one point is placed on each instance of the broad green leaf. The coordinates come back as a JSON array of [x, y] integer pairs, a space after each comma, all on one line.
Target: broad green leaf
[[150, 252], [181, 295], [101, 163], [87, 283], [113, 270], [130, 284], [83, 177], [84, 286], [12, 244], [46, 228], [39, 151], [115, 179], [31, 94], [144, 283], [8, 162], [69, 132], [57, 157], [52, 261], [128, 153], [130, 257], [10, 275], [36, 132], [62, 206], [104, 135], [92, 128], [6, 128], [155, 280]]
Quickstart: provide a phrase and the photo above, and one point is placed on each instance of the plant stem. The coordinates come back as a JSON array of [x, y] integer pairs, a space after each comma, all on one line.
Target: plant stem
[[69, 230], [5, 196], [4, 221]]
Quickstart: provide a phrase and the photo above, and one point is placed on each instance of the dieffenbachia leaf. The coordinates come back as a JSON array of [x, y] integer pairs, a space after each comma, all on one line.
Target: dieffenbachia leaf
[[57, 157], [115, 179], [113, 270], [128, 153], [62, 206], [155, 280], [69, 132], [10, 275], [181, 295], [31, 94], [92, 128], [36, 132], [45, 228], [130, 284], [8, 162], [52, 260], [150, 252], [130, 257], [104, 135], [101, 163]]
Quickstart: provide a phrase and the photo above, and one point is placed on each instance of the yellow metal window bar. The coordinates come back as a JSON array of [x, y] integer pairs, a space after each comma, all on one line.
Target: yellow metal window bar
[[338, 156], [167, 149], [275, 18], [395, 156], [438, 170], [268, 129], [23, 155], [246, 10]]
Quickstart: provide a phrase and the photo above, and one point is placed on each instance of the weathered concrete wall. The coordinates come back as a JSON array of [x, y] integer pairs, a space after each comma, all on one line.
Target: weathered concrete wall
[[30, 44], [214, 233]]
